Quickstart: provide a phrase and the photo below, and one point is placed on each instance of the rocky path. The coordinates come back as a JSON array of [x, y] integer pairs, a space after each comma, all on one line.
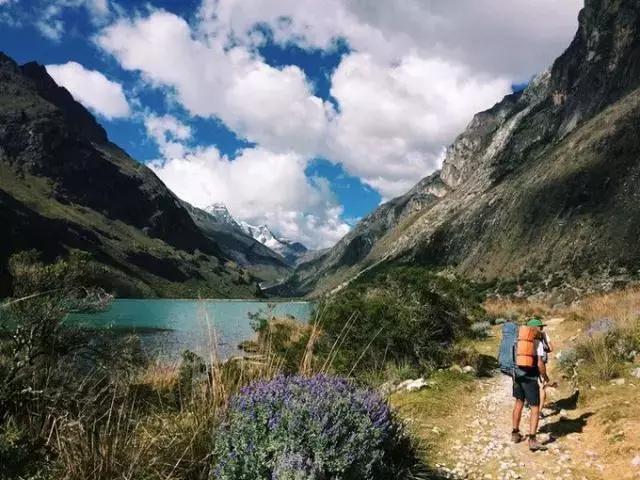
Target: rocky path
[[481, 448]]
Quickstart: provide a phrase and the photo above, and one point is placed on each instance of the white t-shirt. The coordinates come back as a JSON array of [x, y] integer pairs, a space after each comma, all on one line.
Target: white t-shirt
[[541, 344]]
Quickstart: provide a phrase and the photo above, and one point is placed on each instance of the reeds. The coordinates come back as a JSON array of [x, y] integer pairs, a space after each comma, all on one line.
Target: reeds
[[160, 421]]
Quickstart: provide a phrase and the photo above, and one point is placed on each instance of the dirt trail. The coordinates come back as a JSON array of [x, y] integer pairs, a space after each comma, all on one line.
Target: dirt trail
[[478, 443], [480, 446]]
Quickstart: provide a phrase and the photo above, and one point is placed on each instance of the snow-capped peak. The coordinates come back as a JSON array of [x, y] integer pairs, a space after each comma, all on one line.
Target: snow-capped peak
[[291, 251], [262, 234], [221, 213], [288, 249]]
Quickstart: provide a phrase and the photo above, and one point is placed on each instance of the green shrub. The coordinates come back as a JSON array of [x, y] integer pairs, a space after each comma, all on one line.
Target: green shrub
[[598, 359], [19, 450], [480, 329], [601, 356], [406, 316]]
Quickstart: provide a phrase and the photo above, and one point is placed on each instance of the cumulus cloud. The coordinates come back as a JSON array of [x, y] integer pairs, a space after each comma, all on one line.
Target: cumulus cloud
[[169, 133], [517, 38], [416, 72], [258, 186], [395, 119], [270, 106], [92, 89]]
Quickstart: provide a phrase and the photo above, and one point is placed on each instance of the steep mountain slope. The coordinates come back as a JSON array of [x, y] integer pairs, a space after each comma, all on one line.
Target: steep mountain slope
[[545, 182], [63, 185], [218, 224]]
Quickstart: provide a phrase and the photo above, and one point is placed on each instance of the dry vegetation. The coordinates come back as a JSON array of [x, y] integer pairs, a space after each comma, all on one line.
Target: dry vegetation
[[607, 329]]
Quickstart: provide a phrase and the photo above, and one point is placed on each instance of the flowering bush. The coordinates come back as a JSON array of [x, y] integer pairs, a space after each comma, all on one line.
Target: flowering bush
[[296, 428]]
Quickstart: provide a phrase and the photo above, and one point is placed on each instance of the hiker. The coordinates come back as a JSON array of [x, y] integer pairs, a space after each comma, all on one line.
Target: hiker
[[525, 381], [545, 347]]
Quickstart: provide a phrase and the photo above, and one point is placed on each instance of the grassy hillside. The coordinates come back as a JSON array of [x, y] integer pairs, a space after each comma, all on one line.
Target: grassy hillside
[[64, 186]]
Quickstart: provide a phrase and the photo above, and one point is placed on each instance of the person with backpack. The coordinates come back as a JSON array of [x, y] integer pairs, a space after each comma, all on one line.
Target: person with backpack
[[519, 359]]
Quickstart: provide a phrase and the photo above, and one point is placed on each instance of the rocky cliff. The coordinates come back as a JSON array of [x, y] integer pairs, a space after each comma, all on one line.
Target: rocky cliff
[[545, 182], [63, 185]]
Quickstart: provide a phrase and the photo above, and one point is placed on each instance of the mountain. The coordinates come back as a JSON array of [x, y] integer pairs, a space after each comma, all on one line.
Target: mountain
[[291, 251], [218, 224], [64, 185], [220, 213], [544, 184], [284, 250]]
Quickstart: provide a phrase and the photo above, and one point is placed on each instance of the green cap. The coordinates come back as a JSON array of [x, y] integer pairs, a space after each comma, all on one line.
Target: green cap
[[535, 322]]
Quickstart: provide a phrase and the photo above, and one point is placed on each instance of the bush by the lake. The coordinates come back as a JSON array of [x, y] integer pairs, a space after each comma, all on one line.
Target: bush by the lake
[[314, 428], [403, 316]]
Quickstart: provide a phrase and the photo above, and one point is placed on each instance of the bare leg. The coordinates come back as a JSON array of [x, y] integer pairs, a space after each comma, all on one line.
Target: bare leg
[[543, 396], [533, 420], [517, 414]]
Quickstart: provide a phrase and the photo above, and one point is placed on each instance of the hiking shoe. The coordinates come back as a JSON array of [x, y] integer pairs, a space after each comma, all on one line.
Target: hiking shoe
[[516, 436], [535, 445]]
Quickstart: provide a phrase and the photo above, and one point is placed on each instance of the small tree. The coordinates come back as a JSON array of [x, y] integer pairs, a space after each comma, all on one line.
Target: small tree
[[37, 348]]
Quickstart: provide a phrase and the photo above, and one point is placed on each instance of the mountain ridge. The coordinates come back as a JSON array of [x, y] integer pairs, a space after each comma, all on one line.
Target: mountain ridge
[[58, 175], [218, 224], [512, 182], [289, 250]]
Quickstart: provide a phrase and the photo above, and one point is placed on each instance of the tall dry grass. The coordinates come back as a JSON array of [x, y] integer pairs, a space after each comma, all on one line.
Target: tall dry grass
[[161, 421], [514, 308], [622, 306]]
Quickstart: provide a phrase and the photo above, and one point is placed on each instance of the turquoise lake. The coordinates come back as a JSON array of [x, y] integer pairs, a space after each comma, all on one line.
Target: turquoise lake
[[167, 327]]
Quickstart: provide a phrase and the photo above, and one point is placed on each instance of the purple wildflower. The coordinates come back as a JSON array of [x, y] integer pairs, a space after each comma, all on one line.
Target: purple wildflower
[[293, 428]]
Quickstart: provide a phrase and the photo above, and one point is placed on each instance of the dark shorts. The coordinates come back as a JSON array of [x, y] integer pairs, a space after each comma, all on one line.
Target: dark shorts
[[527, 388]]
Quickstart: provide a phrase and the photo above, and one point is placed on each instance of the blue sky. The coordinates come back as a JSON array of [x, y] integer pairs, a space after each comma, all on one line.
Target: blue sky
[[291, 118]]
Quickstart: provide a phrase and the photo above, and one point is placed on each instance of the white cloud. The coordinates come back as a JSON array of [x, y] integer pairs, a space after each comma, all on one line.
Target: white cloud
[[273, 107], [169, 133], [92, 89], [517, 38], [416, 73], [259, 186], [47, 15], [394, 120]]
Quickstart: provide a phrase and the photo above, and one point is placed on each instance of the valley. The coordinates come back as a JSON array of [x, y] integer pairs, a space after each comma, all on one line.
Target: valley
[[144, 336]]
